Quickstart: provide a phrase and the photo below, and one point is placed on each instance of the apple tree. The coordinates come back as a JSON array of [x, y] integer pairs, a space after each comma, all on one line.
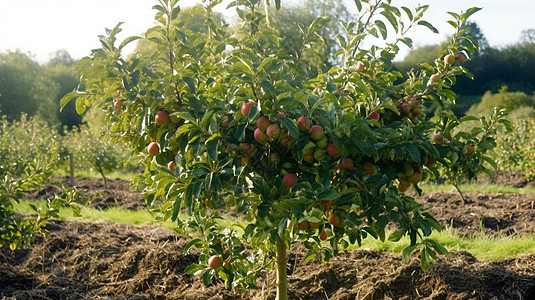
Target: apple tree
[[228, 122]]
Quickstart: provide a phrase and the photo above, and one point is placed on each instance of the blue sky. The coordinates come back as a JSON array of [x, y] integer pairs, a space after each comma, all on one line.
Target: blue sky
[[40, 27]]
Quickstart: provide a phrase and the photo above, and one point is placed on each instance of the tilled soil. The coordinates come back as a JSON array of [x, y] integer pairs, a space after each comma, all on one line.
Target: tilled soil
[[82, 260], [97, 260]]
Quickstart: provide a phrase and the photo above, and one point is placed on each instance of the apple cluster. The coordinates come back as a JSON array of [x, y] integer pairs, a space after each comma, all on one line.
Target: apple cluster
[[410, 107]]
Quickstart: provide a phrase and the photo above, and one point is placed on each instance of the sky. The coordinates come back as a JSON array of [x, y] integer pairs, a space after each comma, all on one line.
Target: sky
[[40, 27]]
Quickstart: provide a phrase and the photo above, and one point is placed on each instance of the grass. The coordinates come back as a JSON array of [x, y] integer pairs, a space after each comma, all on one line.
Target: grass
[[479, 245], [482, 188], [117, 174]]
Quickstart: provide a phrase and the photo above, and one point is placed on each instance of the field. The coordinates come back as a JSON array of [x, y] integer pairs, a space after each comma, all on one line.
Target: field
[[107, 260]]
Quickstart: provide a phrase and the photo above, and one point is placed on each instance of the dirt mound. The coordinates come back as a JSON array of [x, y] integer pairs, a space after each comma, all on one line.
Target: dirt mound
[[115, 193], [110, 261], [491, 214]]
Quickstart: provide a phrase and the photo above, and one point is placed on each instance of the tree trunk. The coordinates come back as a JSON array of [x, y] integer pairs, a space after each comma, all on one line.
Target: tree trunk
[[71, 166], [282, 277]]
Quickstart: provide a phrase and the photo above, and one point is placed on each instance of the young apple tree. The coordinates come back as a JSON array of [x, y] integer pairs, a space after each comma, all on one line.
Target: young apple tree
[[226, 120]]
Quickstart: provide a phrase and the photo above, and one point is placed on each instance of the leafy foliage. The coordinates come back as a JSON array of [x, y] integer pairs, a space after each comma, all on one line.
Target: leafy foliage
[[29, 152], [225, 121]]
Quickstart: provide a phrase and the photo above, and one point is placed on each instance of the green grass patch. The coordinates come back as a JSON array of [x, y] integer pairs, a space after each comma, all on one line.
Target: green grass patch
[[482, 188], [117, 174], [479, 245]]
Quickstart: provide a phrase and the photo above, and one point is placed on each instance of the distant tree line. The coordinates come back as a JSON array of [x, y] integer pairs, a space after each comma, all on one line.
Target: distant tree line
[[26, 86], [512, 67]]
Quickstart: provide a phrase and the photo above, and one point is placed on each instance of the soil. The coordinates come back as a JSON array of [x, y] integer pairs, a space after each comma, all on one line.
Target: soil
[[99, 260]]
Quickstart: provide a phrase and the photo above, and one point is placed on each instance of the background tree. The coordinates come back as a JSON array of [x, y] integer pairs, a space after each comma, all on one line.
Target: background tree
[[60, 70], [291, 20], [527, 36], [24, 87]]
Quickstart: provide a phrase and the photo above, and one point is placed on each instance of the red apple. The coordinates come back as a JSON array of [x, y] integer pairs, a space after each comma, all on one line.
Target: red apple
[[335, 220], [260, 136], [469, 148], [263, 123], [323, 235], [118, 104], [246, 108], [153, 148], [416, 112], [405, 108], [171, 165], [434, 78], [316, 132], [460, 57], [225, 122], [215, 262], [289, 180], [449, 59], [303, 123], [437, 137], [302, 225], [280, 116], [373, 115], [273, 131], [162, 117], [368, 168], [333, 151], [347, 163], [360, 66], [431, 163]]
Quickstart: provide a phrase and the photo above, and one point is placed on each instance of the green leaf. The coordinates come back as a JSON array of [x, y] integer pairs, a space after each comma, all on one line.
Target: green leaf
[[408, 12], [469, 12], [211, 147], [292, 128], [396, 235], [191, 269], [407, 252], [428, 25], [190, 244], [328, 195], [468, 118], [382, 28], [68, 98], [414, 152], [80, 105], [207, 277], [358, 4], [128, 41]]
